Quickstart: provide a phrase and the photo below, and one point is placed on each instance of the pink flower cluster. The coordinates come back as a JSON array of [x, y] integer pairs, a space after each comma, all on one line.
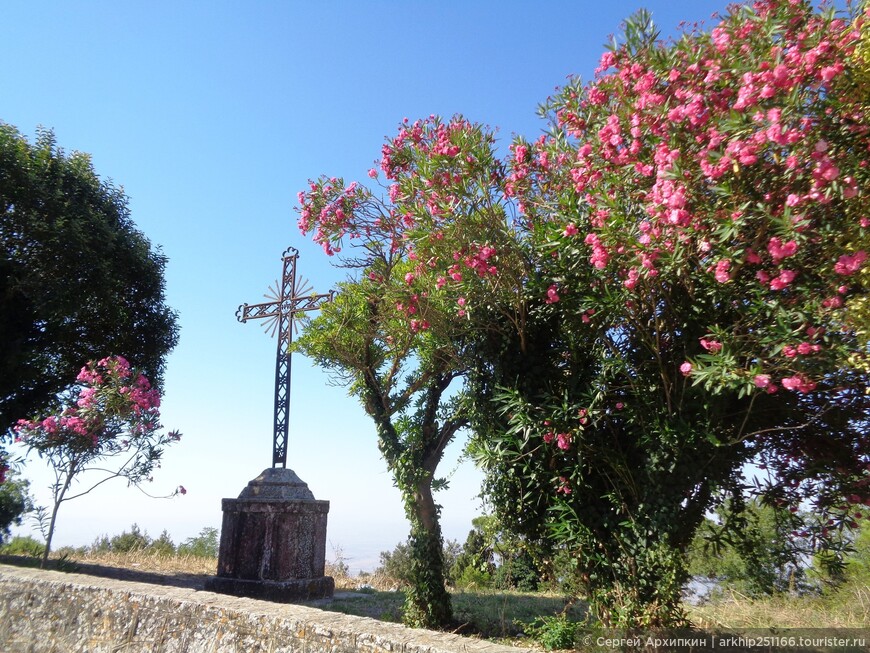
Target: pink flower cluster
[[111, 392], [700, 91], [435, 169], [850, 264], [329, 208], [562, 440], [744, 157]]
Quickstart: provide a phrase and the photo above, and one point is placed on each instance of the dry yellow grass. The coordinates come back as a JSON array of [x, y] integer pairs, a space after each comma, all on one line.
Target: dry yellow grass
[[144, 560], [848, 608], [161, 563]]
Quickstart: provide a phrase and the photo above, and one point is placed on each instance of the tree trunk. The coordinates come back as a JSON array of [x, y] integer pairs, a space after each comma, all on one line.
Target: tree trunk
[[58, 499], [427, 604]]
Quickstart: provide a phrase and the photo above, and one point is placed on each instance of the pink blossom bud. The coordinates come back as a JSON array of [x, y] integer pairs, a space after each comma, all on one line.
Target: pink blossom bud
[[713, 346]]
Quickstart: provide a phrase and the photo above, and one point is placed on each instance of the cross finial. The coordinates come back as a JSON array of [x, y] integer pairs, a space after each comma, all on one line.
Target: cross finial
[[289, 298]]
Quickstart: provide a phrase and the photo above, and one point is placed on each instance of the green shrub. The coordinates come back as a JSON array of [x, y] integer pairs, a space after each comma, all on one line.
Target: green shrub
[[101, 545], [23, 546], [555, 632], [134, 540], [163, 545], [858, 562], [204, 545], [518, 572], [472, 578], [751, 549], [396, 564], [15, 502]]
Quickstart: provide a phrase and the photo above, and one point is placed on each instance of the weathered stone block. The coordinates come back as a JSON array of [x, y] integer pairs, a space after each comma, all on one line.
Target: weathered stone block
[[273, 541]]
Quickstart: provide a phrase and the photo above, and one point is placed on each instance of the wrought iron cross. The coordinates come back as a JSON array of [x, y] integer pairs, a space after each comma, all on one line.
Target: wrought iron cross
[[289, 298]]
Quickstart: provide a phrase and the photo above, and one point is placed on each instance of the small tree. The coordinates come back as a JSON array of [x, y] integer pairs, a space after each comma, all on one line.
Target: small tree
[[699, 217], [113, 415], [398, 331]]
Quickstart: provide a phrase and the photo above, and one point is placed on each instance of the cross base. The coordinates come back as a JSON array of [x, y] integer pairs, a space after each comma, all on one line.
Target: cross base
[[273, 541], [288, 591]]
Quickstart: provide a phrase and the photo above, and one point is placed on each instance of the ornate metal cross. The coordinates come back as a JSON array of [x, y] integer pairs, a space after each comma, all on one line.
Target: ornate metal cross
[[289, 298]]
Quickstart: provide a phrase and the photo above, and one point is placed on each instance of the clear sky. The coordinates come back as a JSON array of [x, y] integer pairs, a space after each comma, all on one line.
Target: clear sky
[[212, 115]]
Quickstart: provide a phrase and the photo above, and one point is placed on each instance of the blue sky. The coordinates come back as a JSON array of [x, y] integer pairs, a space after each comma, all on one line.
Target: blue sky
[[212, 116]]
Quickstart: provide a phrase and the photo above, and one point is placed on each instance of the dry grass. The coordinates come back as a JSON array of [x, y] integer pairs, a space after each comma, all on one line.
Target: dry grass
[[160, 563], [144, 560], [376, 581], [849, 607]]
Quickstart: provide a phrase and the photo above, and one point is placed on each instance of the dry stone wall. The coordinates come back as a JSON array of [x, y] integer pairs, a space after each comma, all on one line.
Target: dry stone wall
[[54, 612]]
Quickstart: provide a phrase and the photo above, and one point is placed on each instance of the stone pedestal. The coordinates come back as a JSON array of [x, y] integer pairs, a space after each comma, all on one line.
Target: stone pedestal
[[273, 541]]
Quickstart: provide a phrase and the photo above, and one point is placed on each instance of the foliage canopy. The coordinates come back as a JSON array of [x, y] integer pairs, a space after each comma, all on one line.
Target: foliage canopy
[[78, 281]]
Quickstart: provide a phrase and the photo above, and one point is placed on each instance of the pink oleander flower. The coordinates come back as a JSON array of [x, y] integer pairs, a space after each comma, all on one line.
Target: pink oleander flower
[[752, 256], [713, 346], [552, 294], [563, 441], [849, 264], [783, 280], [75, 424], [722, 275], [798, 383], [87, 376], [570, 230], [779, 250], [805, 348], [632, 279], [686, 368], [86, 397], [762, 380]]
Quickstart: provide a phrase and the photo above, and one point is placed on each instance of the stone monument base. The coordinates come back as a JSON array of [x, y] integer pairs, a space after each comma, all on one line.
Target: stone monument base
[[273, 541], [288, 591]]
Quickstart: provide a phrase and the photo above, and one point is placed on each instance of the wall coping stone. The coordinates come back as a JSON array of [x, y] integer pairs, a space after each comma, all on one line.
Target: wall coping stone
[[54, 612]]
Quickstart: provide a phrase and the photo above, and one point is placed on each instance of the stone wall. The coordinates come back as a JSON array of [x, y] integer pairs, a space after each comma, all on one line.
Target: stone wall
[[54, 612]]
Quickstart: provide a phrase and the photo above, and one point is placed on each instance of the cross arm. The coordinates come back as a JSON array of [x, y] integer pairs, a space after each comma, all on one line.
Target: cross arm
[[247, 312]]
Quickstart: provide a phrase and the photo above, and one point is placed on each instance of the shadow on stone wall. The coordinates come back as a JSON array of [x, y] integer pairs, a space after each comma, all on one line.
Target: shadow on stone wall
[[187, 581]]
